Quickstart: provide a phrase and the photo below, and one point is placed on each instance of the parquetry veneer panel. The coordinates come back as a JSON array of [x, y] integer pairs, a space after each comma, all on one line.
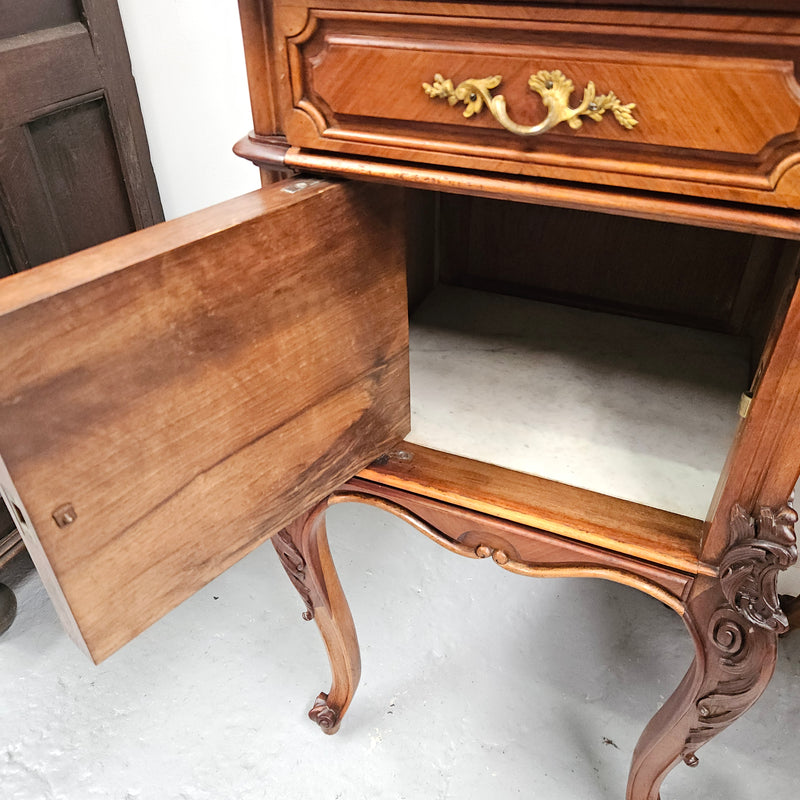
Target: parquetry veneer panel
[[717, 101]]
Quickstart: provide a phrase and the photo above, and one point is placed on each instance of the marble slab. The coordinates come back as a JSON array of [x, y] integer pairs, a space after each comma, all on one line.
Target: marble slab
[[635, 409]]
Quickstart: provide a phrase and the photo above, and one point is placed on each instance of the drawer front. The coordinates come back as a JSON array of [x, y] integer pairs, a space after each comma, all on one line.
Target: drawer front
[[716, 100]]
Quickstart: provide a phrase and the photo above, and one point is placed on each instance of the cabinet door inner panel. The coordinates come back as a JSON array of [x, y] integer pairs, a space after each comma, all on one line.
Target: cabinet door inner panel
[[173, 398]]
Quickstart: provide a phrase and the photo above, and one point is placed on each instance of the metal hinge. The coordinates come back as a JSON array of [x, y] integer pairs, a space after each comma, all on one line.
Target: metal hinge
[[299, 184], [744, 404]]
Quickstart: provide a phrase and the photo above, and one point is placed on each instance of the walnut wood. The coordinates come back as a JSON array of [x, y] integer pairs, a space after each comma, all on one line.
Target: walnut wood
[[268, 152], [720, 148], [760, 304], [763, 464], [190, 389], [735, 651], [303, 549], [616, 525], [755, 6], [679, 728], [256, 20], [266, 362], [641, 205], [698, 277], [727, 128], [422, 248], [734, 622], [516, 547]]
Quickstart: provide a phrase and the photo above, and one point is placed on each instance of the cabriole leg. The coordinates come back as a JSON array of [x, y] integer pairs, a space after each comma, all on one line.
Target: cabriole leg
[[306, 557], [735, 621]]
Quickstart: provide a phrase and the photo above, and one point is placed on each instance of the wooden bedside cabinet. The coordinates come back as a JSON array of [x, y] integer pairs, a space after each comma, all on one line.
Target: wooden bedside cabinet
[[604, 352]]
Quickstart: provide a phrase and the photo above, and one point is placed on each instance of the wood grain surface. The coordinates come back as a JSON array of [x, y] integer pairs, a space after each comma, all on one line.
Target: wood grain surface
[[516, 547], [190, 389], [695, 276], [644, 205], [763, 464], [618, 525], [716, 94]]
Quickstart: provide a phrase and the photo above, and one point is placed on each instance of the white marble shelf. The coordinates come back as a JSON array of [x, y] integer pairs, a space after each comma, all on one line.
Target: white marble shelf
[[634, 409]]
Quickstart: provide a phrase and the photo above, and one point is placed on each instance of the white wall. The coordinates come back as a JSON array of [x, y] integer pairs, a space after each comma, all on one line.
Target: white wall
[[188, 63]]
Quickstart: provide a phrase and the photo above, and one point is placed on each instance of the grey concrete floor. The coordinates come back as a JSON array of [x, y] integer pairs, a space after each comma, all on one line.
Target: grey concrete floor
[[476, 684]]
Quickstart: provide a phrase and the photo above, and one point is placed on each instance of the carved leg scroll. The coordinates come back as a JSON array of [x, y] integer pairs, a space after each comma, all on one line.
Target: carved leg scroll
[[734, 621], [304, 553]]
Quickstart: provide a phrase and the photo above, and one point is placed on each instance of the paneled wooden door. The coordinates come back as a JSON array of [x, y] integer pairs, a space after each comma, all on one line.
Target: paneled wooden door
[[74, 163]]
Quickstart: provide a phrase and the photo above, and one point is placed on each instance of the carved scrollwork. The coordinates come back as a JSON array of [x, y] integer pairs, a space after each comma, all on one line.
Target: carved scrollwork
[[746, 624], [552, 86], [321, 713], [739, 658], [759, 549], [295, 566], [729, 637]]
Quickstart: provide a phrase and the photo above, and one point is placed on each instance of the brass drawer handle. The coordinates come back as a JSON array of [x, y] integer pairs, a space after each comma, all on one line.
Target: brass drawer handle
[[555, 89]]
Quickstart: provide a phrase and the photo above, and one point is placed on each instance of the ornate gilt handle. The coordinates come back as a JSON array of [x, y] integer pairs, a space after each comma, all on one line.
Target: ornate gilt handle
[[555, 89]]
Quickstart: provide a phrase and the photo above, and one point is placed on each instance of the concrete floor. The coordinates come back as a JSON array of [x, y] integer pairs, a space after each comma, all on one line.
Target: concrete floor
[[476, 684]]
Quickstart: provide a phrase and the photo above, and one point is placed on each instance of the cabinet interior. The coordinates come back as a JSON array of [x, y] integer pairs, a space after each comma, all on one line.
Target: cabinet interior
[[602, 352]]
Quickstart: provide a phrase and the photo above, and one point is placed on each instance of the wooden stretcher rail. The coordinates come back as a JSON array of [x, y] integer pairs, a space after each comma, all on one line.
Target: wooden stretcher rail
[[646, 533]]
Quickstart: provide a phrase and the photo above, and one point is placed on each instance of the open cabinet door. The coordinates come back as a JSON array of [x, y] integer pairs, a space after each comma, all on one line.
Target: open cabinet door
[[173, 398]]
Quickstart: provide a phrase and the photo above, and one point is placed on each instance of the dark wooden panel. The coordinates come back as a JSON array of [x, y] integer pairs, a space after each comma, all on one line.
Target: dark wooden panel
[[79, 163], [27, 217], [111, 51], [190, 389], [767, 301], [25, 16], [44, 74], [652, 269], [421, 216], [43, 69]]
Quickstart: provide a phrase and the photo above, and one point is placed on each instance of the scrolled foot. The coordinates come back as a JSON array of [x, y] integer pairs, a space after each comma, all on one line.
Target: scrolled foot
[[326, 717]]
